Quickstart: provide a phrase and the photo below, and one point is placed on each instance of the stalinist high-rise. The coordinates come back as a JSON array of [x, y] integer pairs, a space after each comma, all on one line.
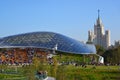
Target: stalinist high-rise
[[99, 36]]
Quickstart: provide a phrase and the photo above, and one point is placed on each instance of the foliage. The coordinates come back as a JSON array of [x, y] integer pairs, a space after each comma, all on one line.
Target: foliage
[[100, 50], [79, 73], [66, 57], [67, 71], [112, 56], [64, 72]]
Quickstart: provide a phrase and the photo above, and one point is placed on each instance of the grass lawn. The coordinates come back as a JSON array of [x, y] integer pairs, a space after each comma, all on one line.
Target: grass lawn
[[61, 72], [70, 72], [79, 73]]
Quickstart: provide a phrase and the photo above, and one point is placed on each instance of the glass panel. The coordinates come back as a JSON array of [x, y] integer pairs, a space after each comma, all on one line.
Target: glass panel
[[48, 40]]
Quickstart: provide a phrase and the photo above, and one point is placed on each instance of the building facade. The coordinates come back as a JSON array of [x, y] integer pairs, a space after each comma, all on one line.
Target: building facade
[[99, 36]]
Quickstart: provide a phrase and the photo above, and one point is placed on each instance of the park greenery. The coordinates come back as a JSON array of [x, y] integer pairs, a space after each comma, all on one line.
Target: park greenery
[[61, 72], [64, 67], [111, 56]]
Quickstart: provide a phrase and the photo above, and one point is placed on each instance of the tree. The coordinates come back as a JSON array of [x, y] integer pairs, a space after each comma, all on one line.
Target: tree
[[100, 50], [112, 56]]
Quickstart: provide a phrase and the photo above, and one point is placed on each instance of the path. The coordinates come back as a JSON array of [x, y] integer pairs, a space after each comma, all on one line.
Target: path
[[50, 78]]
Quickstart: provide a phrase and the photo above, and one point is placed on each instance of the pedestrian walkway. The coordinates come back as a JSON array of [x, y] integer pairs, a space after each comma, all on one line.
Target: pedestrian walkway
[[50, 78]]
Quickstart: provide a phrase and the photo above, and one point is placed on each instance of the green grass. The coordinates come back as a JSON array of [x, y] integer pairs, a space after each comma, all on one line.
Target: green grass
[[62, 72], [11, 77], [100, 73], [70, 72]]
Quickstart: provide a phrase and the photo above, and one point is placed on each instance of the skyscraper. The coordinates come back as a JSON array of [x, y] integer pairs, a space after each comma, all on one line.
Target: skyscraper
[[99, 36]]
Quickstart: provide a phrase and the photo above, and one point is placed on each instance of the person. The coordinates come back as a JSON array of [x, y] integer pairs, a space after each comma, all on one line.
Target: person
[[41, 75], [44, 74]]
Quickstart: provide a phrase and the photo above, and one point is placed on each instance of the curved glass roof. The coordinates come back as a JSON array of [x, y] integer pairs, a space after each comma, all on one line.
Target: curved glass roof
[[47, 40]]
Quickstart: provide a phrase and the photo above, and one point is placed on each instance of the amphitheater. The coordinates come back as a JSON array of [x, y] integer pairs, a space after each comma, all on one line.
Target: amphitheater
[[21, 48]]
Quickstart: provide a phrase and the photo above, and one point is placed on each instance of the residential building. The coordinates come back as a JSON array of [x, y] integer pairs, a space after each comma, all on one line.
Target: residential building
[[99, 36]]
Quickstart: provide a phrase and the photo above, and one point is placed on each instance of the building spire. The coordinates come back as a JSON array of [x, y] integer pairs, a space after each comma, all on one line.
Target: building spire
[[98, 13], [98, 20]]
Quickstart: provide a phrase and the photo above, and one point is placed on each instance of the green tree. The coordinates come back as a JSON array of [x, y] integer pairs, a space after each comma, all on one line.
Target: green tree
[[100, 50], [112, 56]]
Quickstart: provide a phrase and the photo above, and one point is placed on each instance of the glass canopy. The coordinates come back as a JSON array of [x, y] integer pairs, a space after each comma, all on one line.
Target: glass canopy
[[47, 40]]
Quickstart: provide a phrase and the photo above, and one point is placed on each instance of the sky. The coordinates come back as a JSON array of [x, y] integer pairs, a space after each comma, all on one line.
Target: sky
[[72, 18]]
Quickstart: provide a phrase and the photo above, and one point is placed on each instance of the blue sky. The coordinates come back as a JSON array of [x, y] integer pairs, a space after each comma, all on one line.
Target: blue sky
[[69, 17]]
